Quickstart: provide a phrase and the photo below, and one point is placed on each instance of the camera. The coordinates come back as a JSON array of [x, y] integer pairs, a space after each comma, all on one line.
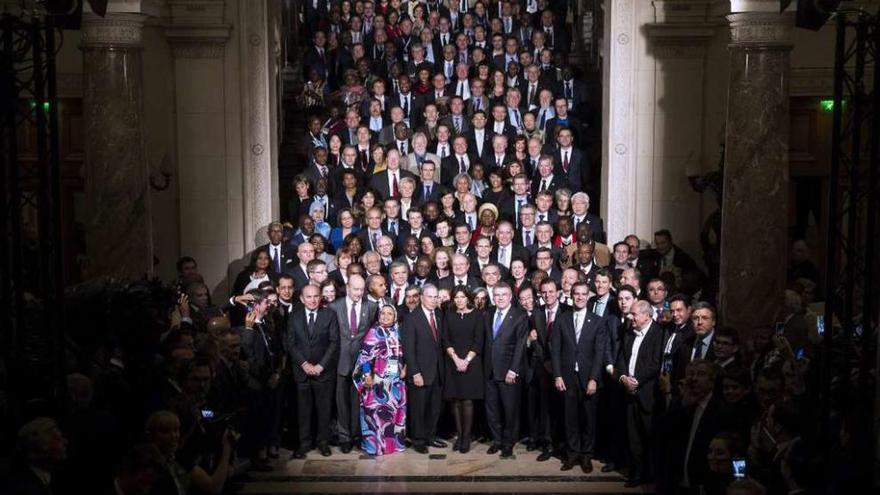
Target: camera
[[739, 468]]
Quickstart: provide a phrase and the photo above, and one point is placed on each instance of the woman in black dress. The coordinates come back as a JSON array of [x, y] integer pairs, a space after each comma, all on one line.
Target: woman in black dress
[[462, 339]]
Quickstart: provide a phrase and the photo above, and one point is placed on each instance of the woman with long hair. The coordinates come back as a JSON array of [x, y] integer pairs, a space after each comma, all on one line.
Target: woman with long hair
[[462, 339], [378, 377], [254, 274]]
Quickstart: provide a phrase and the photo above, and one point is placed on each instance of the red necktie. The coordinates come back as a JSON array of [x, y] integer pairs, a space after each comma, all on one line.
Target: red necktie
[[565, 161], [396, 295], [352, 320], [394, 191], [550, 320], [433, 327]]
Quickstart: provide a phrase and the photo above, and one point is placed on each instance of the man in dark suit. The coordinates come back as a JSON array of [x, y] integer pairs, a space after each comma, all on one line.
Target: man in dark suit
[[603, 303], [413, 104], [262, 348], [313, 347], [354, 315], [678, 331], [387, 182], [571, 163], [573, 90], [457, 162], [479, 138], [506, 330], [638, 369], [644, 260], [300, 273], [542, 397], [282, 256], [317, 58], [424, 366], [506, 251], [671, 258], [699, 344], [577, 348], [688, 428], [461, 268], [546, 180]]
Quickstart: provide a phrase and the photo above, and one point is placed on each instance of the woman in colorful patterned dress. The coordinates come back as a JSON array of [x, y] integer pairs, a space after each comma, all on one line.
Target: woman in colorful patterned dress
[[379, 378]]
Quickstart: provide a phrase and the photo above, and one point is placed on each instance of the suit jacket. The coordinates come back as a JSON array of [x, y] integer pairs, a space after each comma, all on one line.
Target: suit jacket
[[436, 189], [611, 307], [578, 97], [676, 426], [578, 175], [470, 106], [451, 167], [539, 351], [262, 349], [471, 138], [556, 182], [422, 353], [379, 182], [288, 257], [587, 352], [465, 125], [647, 368], [417, 108], [683, 354], [515, 252], [448, 282], [505, 351], [350, 342], [318, 346], [616, 329]]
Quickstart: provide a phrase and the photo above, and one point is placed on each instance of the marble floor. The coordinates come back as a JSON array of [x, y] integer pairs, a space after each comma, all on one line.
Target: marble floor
[[442, 471]]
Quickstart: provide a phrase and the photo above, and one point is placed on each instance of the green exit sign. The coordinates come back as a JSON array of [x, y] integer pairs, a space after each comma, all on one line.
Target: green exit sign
[[828, 105]]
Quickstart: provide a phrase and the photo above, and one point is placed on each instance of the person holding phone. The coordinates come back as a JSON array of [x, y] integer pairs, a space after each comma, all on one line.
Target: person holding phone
[[688, 428]]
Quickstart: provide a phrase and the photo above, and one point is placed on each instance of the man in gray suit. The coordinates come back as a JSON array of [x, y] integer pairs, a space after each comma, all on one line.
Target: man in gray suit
[[355, 315]]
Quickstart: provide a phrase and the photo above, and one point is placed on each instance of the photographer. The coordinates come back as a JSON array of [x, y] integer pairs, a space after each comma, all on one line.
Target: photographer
[[262, 348], [181, 472]]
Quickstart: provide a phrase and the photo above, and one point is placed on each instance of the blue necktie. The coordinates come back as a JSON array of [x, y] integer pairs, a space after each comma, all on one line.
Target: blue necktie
[[497, 324]]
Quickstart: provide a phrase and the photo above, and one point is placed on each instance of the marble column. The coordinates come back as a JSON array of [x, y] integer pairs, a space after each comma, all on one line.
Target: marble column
[[754, 209], [119, 231]]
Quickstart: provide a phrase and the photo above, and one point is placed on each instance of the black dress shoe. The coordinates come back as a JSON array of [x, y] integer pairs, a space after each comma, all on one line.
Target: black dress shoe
[[531, 447], [607, 468], [324, 450], [298, 454], [567, 466], [493, 449], [507, 453], [456, 445], [587, 466], [438, 444], [544, 455], [465, 447], [421, 449], [345, 447]]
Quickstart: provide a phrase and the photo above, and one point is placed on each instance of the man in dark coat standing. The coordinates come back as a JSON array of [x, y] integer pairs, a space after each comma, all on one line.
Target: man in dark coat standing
[[506, 330], [424, 369], [313, 347], [577, 348]]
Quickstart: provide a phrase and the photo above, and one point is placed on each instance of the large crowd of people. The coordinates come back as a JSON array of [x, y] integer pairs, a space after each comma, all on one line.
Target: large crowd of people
[[440, 277]]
